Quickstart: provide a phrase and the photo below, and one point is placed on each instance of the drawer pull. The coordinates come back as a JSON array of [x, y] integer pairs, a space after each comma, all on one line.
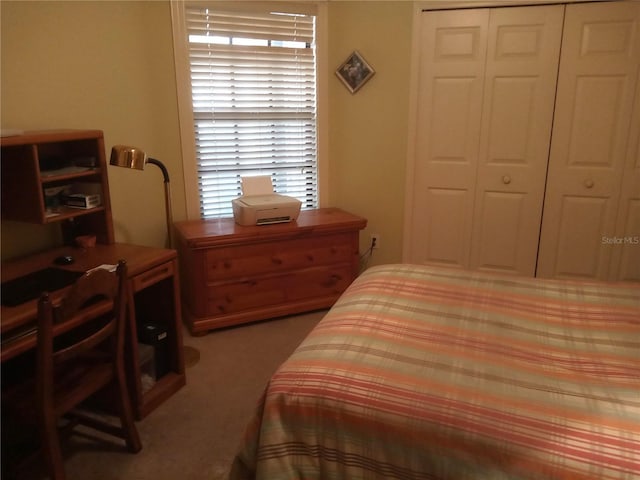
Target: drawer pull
[[310, 257], [227, 264], [332, 280], [276, 260], [589, 183]]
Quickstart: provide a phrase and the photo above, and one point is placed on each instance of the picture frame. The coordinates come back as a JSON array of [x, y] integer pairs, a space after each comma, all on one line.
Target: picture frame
[[355, 72]]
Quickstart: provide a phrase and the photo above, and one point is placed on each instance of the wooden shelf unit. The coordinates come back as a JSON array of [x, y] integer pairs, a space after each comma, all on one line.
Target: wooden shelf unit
[[235, 274], [41, 160]]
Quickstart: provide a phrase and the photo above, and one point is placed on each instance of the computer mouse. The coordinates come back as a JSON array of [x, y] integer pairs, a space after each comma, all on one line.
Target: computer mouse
[[64, 260]]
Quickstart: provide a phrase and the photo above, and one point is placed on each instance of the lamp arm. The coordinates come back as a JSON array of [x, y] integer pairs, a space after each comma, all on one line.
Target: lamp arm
[[160, 165], [167, 199]]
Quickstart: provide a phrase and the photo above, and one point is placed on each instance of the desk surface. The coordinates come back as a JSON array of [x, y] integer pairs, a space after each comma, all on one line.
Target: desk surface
[[139, 259]]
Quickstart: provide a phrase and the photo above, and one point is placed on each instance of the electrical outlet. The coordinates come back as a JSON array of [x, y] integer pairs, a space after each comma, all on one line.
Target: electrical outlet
[[375, 240]]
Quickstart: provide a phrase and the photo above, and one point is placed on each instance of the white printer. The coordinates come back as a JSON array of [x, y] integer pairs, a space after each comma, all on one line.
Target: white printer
[[259, 205]]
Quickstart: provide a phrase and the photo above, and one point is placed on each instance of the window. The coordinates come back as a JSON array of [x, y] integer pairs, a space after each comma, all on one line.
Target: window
[[252, 79]]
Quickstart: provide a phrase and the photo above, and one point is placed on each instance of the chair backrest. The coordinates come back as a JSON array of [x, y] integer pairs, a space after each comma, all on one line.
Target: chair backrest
[[92, 313]]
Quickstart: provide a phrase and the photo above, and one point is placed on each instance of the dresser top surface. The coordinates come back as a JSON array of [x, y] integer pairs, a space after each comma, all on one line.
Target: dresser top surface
[[220, 230]]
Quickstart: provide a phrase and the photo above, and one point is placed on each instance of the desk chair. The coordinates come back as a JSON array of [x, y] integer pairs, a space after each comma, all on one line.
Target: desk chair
[[80, 351]]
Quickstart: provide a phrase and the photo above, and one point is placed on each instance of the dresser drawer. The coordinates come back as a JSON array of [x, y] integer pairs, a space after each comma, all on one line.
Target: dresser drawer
[[260, 292], [279, 256]]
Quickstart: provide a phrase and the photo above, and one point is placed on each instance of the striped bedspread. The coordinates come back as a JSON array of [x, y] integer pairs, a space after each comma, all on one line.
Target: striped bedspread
[[430, 373]]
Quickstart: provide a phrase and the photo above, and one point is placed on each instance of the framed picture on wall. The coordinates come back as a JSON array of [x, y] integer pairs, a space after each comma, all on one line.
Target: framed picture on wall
[[355, 72]]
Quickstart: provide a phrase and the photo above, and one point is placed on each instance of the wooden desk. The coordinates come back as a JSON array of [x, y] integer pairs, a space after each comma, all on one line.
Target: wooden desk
[[154, 295]]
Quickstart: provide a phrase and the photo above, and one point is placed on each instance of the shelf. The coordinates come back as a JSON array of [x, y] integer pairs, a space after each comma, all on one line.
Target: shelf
[[51, 176], [164, 388], [39, 161], [66, 213]]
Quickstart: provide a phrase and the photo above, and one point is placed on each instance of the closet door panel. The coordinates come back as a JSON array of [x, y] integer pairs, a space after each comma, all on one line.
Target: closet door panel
[[522, 62], [629, 242], [450, 84], [592, 142], [581, 220], [596, 86], [510, 119], [498, 231], [444, 232], [450, 160], [626, 243]]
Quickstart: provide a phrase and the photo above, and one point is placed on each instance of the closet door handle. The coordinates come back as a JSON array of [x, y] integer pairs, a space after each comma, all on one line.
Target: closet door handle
[[589, 183], [506, 179]]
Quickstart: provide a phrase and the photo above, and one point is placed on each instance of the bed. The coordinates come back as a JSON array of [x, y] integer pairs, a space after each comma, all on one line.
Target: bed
[[432, 373]]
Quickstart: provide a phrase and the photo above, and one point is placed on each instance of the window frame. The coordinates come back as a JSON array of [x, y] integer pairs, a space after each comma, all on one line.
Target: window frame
[[185, 105]]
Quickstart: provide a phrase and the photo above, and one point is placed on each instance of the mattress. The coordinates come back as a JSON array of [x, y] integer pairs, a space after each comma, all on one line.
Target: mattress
[[432, 373]]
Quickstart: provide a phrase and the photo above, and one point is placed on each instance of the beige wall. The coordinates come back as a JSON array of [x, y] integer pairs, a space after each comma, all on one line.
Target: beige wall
[[368, 130], [109, 66], [102, 65]]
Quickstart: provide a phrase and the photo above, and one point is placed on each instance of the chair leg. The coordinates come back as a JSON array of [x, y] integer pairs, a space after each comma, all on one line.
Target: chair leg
[[51, 448], [129, 429]]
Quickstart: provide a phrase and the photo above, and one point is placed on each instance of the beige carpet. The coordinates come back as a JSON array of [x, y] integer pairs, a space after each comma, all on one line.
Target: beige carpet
[[195, 434]]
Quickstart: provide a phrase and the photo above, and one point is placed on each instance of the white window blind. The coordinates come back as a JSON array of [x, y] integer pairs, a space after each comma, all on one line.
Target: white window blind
[[253, 84]]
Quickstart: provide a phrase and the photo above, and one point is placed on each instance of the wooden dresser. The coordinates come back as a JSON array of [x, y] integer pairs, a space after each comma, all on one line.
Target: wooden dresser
[[233, 274]]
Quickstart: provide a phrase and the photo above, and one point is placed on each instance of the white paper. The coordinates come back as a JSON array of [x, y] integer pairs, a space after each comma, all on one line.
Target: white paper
[[260, 185], [105, 266]]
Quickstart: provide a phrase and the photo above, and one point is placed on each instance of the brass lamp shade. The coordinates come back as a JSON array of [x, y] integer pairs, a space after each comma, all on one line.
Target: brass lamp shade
[[128, 157]]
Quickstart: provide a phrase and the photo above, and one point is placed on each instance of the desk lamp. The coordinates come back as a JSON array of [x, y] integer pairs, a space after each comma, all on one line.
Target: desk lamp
[[132, 157]]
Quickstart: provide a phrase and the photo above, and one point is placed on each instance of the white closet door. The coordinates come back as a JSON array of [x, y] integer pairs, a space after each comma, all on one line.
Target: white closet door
[[519, 94], [483, 126], [626, 243], [451, 79], [598, 70]]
